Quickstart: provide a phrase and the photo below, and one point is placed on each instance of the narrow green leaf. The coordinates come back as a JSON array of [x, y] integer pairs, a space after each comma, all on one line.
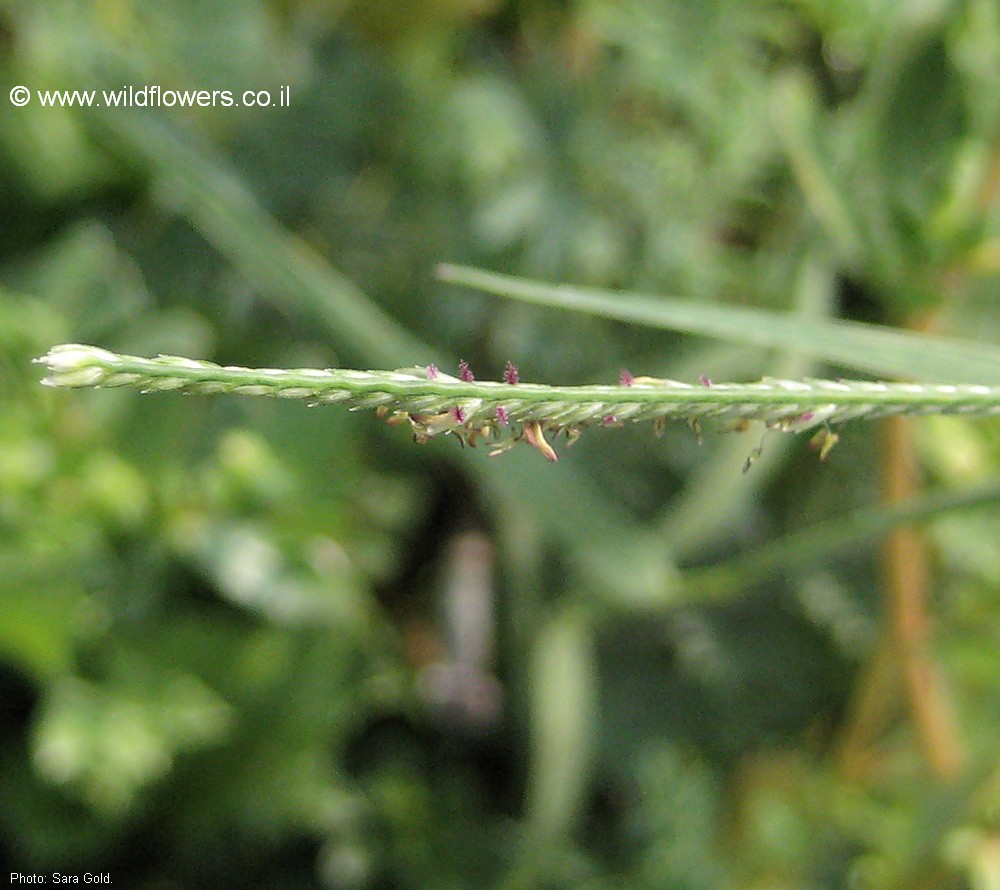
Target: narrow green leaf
[[811, 545], [563, 693], [795, 109], [712, 500], [868, 348], [287, 271]]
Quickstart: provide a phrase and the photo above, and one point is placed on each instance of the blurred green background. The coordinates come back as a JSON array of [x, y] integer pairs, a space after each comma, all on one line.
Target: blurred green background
[[243, 642]]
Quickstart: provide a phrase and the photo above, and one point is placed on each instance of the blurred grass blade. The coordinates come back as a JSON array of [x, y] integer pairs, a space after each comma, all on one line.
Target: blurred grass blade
[[563, 723], [802, 549], [285, 269], [795, 112], [868, 348], [563, 701], [714, 496], [563, 697]]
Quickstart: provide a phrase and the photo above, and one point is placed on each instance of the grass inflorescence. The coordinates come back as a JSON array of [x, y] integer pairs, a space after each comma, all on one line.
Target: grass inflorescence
[[504, 413]]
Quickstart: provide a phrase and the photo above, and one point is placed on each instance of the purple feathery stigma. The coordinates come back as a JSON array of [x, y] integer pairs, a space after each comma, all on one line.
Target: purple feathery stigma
[[609, 420], [458, 414], [432, 372], [510, 374], [626, 378], [705, 380], [464, 372], [502, 416]]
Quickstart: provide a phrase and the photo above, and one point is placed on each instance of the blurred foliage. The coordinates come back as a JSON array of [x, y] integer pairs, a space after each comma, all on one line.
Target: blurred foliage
[[235, 642]]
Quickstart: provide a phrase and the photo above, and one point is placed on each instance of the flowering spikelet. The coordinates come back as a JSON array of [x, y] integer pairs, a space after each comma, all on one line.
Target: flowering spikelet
[[534, 436], [510, 374], [753, 457], [432, 372], [464, 372], [626, 378], [695, 425], [823, 441]]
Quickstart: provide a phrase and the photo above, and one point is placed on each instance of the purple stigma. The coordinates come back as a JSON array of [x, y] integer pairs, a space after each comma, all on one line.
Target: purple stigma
[[806, 416], [609, 420], [458, 414], [464, 372], [705, 380], [626, 378], [432, 372], [510, 374], [502, 416]]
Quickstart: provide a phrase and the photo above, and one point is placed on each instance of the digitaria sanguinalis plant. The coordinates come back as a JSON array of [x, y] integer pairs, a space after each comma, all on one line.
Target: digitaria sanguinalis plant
[[501, 414]]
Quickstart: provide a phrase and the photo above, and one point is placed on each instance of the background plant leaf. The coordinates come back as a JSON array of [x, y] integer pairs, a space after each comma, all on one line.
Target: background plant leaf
[[863, 347]]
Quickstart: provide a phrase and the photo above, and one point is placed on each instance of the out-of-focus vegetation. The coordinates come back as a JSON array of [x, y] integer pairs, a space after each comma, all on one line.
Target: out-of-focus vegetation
[[246, 642]]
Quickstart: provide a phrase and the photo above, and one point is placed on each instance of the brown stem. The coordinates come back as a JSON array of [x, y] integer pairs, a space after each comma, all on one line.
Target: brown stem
[[869, 715], [907, 580], [905, 652]]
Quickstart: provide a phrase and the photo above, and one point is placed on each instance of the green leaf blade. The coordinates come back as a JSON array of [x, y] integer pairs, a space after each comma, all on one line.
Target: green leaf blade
[[868, 348]]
